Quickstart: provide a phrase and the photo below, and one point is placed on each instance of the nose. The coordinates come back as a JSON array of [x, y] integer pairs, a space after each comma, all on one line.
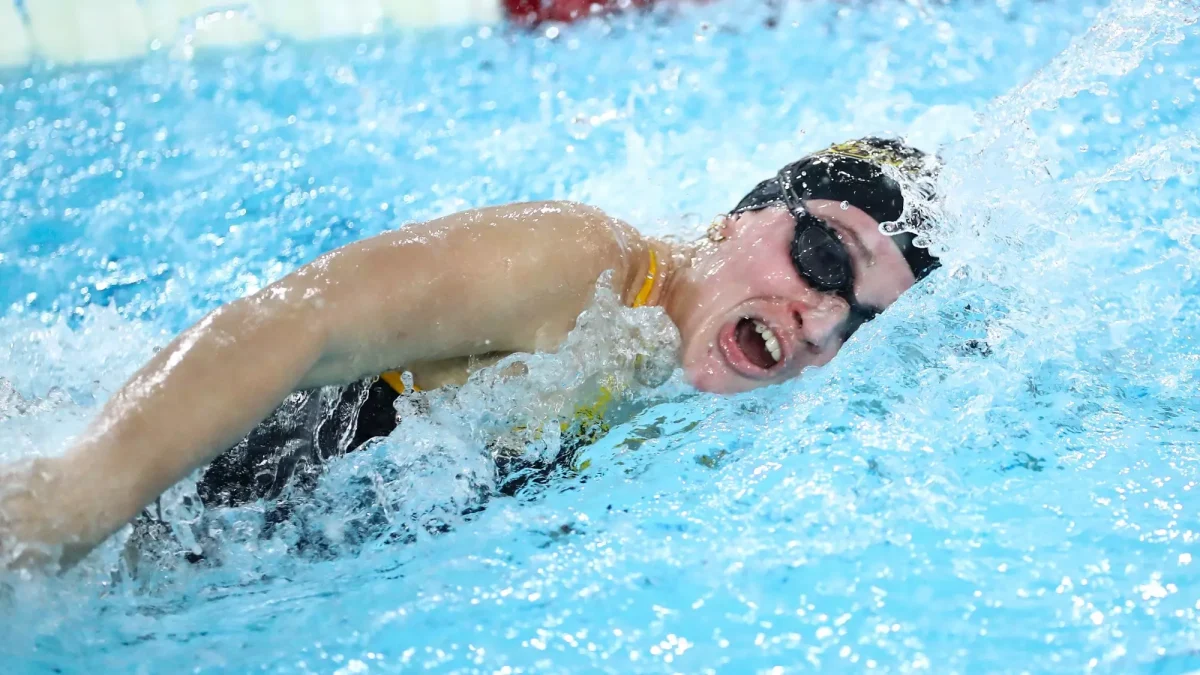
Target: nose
[[820, 323]]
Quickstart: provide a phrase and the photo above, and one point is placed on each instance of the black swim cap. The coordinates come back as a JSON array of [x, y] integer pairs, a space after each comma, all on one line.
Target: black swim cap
[[852, 172]]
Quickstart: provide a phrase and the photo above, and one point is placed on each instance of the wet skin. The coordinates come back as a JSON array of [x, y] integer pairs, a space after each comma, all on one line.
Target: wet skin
[[750, 276]]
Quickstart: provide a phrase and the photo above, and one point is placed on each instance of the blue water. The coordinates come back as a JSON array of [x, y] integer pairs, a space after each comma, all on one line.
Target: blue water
[[998, 475]]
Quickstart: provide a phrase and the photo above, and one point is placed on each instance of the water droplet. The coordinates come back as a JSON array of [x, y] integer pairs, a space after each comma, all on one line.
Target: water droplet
[[845, 206]]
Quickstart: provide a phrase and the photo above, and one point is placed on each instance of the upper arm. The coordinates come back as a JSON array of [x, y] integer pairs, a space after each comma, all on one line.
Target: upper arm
[[509, 278]]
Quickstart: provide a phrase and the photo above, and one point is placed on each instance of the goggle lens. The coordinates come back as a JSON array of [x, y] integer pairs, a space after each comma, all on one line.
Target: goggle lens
[[820, 257]]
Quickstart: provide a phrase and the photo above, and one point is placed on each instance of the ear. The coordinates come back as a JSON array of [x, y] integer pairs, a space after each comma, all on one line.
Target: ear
[[720, 229]]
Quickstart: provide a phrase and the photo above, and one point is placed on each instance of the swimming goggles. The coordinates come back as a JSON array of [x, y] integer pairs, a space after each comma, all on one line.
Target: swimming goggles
[[818, 252], [851, 173]]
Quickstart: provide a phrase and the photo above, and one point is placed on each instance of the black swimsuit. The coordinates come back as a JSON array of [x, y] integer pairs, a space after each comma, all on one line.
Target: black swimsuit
[[292, 447], [307, 430]]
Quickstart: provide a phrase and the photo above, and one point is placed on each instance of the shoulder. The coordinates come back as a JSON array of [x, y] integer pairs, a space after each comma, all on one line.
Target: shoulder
[[582, 218], [565, 227], [549, 241]]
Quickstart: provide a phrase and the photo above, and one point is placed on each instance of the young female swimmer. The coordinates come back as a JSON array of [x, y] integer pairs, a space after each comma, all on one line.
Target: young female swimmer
[[779, 284]]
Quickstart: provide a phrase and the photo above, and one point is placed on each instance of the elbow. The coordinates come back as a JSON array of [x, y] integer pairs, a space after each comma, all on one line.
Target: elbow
[[297, 316], [285, 311]]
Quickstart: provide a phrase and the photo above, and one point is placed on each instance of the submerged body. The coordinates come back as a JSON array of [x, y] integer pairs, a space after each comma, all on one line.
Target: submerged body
[[778, 286]]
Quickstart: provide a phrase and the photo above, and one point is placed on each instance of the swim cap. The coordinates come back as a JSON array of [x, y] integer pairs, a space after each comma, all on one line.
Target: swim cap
[[852, 172]]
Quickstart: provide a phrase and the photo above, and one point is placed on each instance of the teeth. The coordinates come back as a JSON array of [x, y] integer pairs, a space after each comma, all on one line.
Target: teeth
[[770, 339]]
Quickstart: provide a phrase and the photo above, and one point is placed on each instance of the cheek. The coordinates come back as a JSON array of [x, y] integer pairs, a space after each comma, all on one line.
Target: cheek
[[825, 357], [699, 343], [701, 362], [713, 376], [744, 276], [702, 379]]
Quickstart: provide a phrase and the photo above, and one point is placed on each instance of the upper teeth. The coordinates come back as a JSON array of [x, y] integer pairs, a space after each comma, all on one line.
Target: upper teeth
[[770, 339]]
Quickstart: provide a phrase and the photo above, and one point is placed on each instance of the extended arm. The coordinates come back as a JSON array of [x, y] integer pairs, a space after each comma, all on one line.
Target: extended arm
[[504, 279]]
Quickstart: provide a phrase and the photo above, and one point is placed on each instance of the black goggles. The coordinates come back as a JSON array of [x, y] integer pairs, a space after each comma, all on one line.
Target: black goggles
[[818, 252]]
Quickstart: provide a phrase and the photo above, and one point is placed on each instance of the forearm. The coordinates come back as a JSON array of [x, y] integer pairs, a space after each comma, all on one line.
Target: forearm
[[197, 397]]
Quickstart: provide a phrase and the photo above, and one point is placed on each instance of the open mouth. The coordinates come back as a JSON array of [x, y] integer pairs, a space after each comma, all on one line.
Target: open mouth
[[759, 343]]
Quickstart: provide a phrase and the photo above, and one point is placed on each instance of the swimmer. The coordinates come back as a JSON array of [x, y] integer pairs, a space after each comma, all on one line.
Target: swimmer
[[777, 286]]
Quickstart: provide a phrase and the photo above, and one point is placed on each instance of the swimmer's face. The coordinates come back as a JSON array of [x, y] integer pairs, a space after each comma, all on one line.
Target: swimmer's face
[[747, 317]]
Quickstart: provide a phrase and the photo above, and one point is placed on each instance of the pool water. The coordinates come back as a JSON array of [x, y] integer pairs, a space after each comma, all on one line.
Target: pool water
[[998, 475]]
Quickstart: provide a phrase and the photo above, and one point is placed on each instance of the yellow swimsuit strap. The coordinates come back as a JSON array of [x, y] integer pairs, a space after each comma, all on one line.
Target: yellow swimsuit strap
[[648, 285]]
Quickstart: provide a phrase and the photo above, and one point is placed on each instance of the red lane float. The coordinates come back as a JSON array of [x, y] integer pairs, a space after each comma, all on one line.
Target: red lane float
[[535, 11]]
